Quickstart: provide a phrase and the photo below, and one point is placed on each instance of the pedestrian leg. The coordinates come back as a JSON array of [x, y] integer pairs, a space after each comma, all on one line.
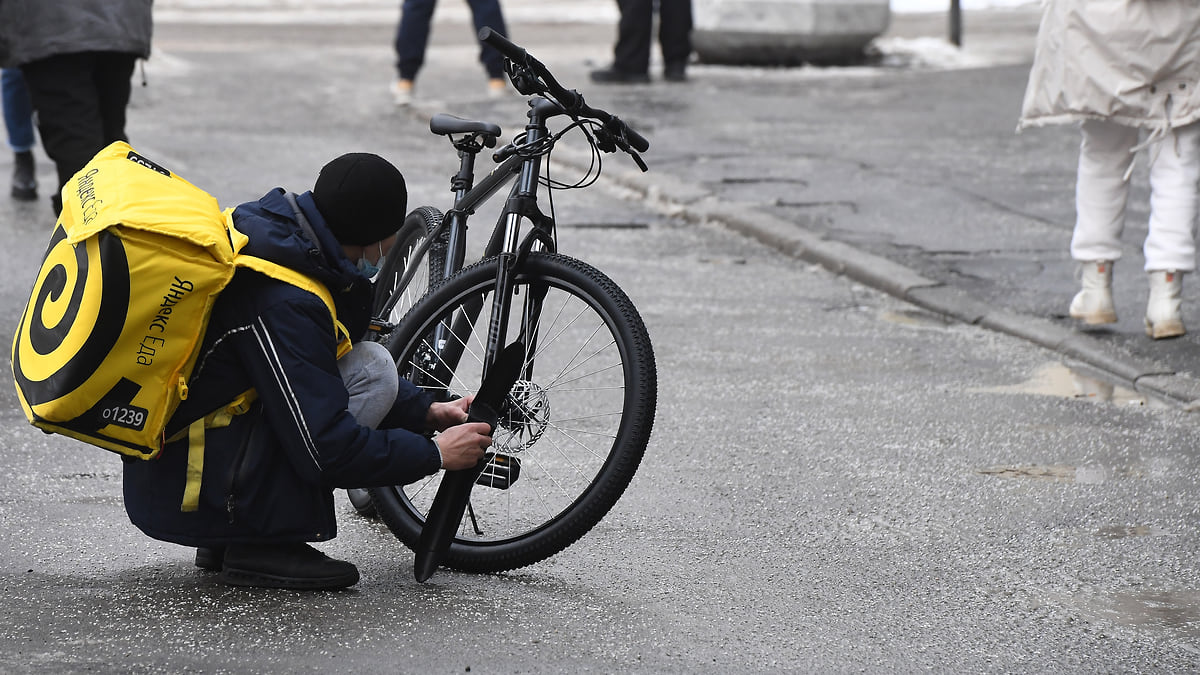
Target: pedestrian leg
[[113, 76], [487, 14], [1102, 190], [675, 36], [634, 32], [68, 112], [412, 36], [1174, 179]]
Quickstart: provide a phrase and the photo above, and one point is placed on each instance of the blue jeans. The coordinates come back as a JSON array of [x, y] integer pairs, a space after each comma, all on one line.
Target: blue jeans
[[412, 35], [18, 110]]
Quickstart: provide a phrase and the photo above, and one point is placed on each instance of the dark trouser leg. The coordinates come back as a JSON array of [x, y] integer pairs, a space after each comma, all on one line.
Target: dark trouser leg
[[632, 52], [412, 36], [675, 30], [113, 77], [80, 101], [487, 14]]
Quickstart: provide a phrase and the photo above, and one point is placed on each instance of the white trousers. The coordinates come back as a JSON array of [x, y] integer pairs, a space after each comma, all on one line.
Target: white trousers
[[1102, 192]]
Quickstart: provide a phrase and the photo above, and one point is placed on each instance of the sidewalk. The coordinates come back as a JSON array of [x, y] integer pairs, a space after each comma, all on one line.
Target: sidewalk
[[905, 175]]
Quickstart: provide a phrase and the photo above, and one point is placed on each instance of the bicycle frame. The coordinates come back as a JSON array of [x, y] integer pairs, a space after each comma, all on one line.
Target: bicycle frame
[[505, 241]]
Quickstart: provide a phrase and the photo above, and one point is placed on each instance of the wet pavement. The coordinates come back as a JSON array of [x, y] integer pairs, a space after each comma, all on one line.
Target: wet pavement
[[899, 459]]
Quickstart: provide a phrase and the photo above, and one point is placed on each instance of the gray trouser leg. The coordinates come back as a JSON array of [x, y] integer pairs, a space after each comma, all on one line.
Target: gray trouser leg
[[371, 379]]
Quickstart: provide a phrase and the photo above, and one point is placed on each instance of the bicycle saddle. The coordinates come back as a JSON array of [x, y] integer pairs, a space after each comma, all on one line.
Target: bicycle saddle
[[444, 124]]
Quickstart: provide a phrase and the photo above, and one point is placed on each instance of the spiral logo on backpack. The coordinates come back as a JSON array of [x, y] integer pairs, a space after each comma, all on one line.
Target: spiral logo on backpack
[[61, 337]]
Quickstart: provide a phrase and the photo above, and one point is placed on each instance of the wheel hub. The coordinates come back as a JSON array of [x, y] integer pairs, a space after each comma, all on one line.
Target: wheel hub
[[525, 417]]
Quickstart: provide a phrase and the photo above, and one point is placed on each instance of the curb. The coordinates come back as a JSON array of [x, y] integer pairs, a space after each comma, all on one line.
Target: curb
[[679, 199]]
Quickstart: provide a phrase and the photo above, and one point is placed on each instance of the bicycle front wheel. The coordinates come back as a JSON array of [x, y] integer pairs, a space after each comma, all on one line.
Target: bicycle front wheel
[[575, 425]]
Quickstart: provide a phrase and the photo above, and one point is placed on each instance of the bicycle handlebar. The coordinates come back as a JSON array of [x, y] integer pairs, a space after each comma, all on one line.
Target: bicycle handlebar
[[570, 99]]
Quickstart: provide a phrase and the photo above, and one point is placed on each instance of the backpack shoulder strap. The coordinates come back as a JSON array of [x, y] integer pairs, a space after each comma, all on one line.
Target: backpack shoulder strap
[[291, 276], [302, 220]]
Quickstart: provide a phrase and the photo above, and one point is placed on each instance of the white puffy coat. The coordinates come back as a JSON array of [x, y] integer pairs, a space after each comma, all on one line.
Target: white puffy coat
[[1134, 62]]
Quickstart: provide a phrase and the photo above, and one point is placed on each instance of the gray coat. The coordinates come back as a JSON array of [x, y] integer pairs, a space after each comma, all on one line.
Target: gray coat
[[1134, 62], [35, 29]]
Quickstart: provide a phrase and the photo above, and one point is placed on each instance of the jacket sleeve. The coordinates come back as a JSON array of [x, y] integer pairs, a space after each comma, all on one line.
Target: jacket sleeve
[[292, 363]]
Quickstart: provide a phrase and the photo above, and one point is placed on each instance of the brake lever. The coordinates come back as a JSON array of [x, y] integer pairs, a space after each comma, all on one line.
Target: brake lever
[[605, 141], [524, 80], [619, 140]]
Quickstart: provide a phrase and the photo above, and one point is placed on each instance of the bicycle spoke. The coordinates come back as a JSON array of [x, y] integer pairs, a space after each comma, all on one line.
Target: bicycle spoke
[[563, 420]]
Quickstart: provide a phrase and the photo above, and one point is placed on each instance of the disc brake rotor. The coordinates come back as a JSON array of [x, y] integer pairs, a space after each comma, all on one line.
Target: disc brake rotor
[[524, 419]]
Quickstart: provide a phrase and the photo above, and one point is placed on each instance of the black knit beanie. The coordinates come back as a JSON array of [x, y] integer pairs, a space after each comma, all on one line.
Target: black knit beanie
[[362, 197]]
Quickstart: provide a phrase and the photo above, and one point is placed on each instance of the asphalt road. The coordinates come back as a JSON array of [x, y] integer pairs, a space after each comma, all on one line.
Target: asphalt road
[[838, 481]]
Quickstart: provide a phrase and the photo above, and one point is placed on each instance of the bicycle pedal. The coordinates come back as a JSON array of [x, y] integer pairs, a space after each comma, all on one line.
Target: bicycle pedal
[[380, 327], [500, 472]]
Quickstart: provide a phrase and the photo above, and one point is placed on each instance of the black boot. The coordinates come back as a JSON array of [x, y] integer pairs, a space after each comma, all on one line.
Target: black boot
[[614, 75], [297, 566], [210, 558], [24, 180]]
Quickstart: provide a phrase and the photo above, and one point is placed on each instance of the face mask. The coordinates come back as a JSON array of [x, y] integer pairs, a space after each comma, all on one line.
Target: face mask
[[368, 268]]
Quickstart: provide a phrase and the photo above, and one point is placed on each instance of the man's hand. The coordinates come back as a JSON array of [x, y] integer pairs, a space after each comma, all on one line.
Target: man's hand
[[462, 446], [442, 416]]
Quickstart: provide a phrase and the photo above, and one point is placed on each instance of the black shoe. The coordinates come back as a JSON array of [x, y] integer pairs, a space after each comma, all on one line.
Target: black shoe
[[210, 558], [675, 72], [360, 499], [24, 181], [614, 76], [297, 566]]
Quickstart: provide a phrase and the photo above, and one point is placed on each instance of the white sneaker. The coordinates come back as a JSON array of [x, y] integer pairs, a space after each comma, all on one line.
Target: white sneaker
[[1093, 304], [496, 87], [1164, 313], [402, 92]]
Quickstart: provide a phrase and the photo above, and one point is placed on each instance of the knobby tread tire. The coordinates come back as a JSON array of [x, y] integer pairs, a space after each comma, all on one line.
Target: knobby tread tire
[[418, 224], [600, 294]]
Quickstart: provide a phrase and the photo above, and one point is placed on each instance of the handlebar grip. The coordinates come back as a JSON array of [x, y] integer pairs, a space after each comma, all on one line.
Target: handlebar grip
[[502, 44], [636, 140]]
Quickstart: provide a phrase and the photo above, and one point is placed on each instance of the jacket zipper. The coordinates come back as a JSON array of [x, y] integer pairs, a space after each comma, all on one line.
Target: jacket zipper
[[239, 463]]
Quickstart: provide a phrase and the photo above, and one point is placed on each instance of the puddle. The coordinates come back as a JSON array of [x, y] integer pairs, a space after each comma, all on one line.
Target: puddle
[[1151, 608], [1083, 475], [607, 226], [1056, 379], [1127, 531], [754, 180]]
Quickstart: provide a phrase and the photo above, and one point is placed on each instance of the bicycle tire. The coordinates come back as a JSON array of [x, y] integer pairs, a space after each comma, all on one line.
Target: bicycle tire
[[581, 420], [418, 225]]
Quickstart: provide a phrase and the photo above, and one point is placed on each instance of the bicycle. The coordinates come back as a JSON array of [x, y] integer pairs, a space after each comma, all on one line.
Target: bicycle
[[575, 426]]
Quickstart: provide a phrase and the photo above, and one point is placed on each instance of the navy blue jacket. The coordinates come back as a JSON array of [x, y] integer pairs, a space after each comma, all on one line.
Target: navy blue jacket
[[269, 476]]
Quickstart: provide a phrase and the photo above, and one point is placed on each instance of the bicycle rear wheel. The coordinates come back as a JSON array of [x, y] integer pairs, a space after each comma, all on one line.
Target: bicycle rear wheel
[[577, 422], [417, 226]]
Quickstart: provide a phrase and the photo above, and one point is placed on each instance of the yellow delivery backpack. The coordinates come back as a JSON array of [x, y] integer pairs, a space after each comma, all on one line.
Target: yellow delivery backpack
[[111, 332]]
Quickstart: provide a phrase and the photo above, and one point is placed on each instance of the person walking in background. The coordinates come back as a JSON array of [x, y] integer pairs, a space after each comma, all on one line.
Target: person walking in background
[[1129, 70], [412, 38], [77, 58], [18, 121], [631, 55]]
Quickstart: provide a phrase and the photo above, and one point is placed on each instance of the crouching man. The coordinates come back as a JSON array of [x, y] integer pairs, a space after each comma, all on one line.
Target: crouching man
[[262, 485]]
